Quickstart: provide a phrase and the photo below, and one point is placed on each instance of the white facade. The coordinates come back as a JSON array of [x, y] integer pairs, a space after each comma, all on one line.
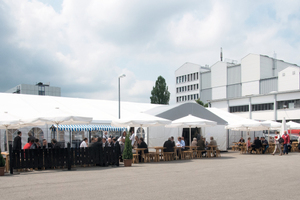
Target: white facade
[[260, 87], [38, 89]]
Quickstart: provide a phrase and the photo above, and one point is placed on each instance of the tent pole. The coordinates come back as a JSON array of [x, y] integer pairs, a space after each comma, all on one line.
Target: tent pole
[[6, 138], [268, 135], [190, 137], [57, 132]]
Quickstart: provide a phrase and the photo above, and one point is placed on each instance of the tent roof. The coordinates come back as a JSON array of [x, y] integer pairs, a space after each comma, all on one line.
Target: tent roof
[[177, 111], [102, 111]]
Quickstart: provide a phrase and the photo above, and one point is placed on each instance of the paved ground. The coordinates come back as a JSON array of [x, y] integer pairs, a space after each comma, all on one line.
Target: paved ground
[[233, 176]]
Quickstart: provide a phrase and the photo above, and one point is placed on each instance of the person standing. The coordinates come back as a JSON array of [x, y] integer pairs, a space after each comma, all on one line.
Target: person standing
[[17, 145], [277, 144], [84, 143], [132, 137], [286, 139], [30, 137]]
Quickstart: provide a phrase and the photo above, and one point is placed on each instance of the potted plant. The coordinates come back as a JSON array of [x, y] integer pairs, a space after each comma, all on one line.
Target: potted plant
[[2, 164], [127, 153]]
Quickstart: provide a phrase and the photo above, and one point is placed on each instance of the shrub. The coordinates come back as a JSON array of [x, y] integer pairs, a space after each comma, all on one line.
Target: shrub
[[127, 153]]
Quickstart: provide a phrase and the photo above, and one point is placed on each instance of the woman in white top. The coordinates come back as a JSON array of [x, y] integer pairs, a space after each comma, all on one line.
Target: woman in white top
[[84, 143], [123, 136], [277, 144]]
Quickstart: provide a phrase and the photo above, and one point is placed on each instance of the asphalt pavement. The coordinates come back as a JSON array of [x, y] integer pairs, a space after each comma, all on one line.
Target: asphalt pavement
[[232, 176]]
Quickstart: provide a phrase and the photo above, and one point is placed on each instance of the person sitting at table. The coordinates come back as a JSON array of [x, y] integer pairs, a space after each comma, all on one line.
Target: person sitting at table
[[213, 143], [201, 145], [241, 141], [265, 144], [194, 142], [256, 144], [172, 140], [182, 144], [205, 143], [249, 142], [142, 144], [169, 146]]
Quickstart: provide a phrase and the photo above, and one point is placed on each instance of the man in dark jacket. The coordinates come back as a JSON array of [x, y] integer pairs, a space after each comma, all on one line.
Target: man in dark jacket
[[55, 145], [17, 145], [116, 151], [256, 144], [201, 145], [169, 146], [142, 144]]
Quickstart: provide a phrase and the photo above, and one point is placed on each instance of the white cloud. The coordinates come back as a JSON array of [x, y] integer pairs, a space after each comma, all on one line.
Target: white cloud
[[87, 44]]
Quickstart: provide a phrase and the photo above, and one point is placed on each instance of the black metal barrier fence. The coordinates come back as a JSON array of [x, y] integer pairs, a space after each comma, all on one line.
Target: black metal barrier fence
[[63, 157]]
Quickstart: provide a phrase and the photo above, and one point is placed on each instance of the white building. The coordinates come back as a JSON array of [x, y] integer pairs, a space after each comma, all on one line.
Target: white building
[[260, 87], [37, 89]]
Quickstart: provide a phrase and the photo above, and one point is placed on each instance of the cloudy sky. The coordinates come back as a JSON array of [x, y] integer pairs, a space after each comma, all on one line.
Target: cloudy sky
[[83, 46]]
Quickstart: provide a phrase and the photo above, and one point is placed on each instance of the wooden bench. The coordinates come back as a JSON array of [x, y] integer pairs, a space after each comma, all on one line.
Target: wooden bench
[[187, 154], [200, 153], [168, 156], [135, 158]]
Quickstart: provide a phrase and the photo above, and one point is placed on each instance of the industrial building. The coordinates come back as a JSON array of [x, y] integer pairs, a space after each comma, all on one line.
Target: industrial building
[[259, 87], [38, 89]]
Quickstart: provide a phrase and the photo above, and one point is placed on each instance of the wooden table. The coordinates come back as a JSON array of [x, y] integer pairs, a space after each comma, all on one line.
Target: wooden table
[[6, 160], [142, 150]]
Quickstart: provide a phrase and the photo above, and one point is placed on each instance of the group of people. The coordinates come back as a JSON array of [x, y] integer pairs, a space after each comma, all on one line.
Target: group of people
[[262, 143], [201, 144], [107, 141], [33, 143]]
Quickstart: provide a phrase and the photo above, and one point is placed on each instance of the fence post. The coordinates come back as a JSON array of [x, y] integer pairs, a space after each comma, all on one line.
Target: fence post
[[69, 156], [11, 160]]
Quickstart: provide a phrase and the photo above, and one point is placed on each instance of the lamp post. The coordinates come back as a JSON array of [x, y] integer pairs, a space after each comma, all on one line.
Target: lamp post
[[121, 76]]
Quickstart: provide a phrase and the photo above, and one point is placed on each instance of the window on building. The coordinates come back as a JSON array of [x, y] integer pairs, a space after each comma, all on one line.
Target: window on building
[[295, 103], [264, 106], [194, 76], [177, 80], [41, 90], [197, 76], [243, 108]]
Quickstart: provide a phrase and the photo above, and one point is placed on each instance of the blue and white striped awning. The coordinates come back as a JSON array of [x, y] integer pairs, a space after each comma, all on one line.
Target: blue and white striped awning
[[89, 127]]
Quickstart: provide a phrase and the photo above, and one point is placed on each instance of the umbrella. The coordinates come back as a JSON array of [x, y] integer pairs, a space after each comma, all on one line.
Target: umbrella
[[140, 120], [8, 121], [293, 125], [273, 126], [191, 121], [57, 117], [249, 125]]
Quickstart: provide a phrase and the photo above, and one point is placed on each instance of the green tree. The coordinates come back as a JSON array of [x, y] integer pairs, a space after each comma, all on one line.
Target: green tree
[[201, 103], [160, 93]]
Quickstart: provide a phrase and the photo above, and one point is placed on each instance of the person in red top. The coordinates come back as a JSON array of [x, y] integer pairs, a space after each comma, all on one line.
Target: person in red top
[[286, 142], [28, 145]]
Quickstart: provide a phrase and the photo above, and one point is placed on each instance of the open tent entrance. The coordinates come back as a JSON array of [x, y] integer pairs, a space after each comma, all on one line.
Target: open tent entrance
[[195, 133]]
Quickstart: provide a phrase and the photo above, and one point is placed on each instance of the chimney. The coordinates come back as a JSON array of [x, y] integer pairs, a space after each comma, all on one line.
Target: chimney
[[221, 54]]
